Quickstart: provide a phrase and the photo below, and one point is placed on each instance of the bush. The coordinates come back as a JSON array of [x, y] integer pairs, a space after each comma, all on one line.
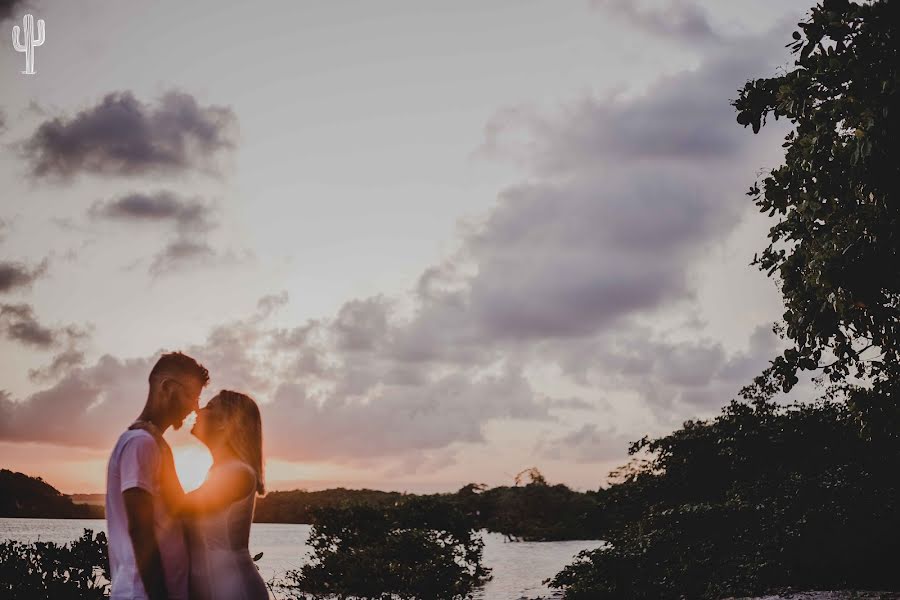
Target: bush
[[761, 498], [48, 571], [419, 548]]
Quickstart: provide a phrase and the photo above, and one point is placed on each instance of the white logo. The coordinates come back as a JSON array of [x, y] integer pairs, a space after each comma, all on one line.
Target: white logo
[[30, 41]]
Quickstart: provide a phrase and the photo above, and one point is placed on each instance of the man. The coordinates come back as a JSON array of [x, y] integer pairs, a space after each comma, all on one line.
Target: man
[[148, 554]]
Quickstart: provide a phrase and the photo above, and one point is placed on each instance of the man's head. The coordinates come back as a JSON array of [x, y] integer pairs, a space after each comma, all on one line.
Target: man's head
[[175, 385]]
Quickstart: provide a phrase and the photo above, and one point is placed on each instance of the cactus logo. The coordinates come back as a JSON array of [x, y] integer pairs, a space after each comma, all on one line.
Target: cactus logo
[[30, 41]]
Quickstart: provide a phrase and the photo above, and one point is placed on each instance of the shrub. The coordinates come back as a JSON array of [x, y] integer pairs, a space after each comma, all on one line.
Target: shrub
[[48, 571], [419, 548], [760, 498]]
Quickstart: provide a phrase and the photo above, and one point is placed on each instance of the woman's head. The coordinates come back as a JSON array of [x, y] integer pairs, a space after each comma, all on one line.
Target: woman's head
[[232, 419]]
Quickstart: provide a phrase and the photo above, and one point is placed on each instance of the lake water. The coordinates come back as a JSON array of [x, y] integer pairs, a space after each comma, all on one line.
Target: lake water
[[518, 568]]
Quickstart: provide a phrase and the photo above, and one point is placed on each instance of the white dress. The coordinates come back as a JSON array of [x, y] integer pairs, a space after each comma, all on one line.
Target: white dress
[[221, 567]]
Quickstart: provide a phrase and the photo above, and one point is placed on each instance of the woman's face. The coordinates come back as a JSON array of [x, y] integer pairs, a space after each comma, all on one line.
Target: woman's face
[[211, 422]]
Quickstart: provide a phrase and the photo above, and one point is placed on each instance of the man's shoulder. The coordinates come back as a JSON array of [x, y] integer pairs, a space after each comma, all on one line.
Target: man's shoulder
[[137, 438]]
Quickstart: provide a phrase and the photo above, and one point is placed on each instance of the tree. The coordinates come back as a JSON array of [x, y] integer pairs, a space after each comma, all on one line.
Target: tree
[[836, 244], [535, 477], [761, 499], [419, 547]]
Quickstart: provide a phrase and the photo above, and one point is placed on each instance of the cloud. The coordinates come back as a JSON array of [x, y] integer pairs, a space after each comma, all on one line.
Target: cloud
[[187, 215], [566, 270], [19, 323], [321, 399], [8, 8], [684, 119], [14, 275], [679, 20], [269, 304], [672, 379], [183, 254], [4, 230], [397, 419], [587, 444], [89, 407], [123, 136], [189, 218], [62, 363], [362, 324], [572, 258]]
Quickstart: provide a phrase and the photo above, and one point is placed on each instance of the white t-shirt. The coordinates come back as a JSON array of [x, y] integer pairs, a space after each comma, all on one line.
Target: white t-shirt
[[135, 463]]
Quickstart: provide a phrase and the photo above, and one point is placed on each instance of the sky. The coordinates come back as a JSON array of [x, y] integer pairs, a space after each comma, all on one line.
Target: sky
[[439, 243]]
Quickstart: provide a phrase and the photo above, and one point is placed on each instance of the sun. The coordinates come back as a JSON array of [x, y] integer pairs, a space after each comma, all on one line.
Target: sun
[[192, 464]]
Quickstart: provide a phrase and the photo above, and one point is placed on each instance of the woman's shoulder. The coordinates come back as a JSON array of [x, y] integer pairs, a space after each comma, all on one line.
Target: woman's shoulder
[[235, 464], [236, 471]]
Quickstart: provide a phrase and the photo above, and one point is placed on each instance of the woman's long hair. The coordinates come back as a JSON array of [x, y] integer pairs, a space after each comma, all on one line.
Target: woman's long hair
[[246, 432]]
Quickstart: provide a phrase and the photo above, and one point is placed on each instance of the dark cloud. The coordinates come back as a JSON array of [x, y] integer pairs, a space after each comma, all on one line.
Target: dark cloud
[[15, 275], [182, 254], [190, 219], [8, 8], [628, 198], [186, 214], [568, 259], [684, 119], [124, 136], [62, 363], [680, 20], [19, 323]]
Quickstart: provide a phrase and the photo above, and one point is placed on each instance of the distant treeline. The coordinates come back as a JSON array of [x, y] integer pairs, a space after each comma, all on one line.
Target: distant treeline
[[531, 511], [534, 511], [23, 496]]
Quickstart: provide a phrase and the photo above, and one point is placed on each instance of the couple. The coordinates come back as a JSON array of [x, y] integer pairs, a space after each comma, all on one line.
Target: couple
[[164, 543]]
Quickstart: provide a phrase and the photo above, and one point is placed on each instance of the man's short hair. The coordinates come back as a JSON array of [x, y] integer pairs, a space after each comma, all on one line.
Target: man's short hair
[[176, 363]]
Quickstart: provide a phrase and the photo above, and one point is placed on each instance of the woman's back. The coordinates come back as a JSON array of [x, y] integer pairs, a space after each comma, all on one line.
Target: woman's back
[[221, 567]]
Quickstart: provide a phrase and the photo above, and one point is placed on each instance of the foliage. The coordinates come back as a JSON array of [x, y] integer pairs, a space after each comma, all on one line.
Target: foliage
[[24, 496], [762, 497], [419, 548], [48, 571], [835, 245], [536, 511], [298, 506]]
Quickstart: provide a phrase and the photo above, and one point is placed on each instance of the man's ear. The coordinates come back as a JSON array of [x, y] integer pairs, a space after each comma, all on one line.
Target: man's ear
[[170, 395]]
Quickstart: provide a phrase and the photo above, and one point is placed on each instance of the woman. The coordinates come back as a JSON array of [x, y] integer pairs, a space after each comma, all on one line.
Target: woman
[[218, 513]]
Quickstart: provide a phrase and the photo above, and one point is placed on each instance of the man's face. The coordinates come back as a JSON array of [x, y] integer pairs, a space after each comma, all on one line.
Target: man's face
[[186, 398]]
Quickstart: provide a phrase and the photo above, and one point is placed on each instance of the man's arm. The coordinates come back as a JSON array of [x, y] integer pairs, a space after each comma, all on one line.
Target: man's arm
[[139, 510]]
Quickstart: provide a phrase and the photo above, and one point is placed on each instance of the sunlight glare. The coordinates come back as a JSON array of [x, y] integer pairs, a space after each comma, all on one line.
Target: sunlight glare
[[192, 464]]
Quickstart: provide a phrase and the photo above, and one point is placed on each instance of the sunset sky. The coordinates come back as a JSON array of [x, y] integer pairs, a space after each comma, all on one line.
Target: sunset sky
[[439, 242]]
